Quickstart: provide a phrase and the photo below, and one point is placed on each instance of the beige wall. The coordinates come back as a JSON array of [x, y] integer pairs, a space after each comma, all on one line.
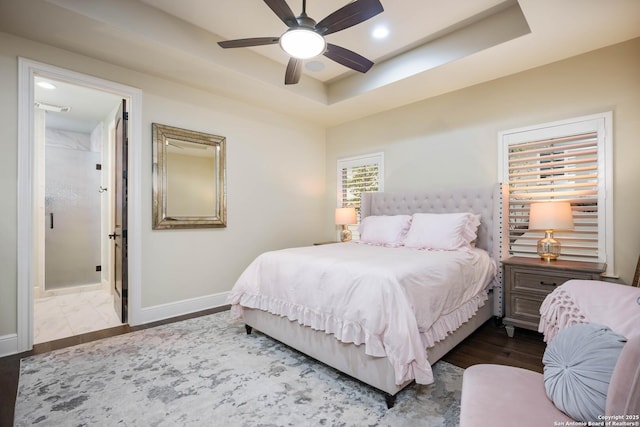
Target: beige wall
[[8, 190], [275, 181], [281, 172], [275, 198], [452, 140]]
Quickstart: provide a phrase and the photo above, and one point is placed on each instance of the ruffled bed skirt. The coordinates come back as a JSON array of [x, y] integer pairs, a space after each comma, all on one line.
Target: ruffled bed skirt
[[452, 321], [352, 332], [345, 331]]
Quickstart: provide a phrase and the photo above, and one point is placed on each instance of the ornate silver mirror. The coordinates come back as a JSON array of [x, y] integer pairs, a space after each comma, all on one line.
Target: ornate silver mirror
[[189, 179]]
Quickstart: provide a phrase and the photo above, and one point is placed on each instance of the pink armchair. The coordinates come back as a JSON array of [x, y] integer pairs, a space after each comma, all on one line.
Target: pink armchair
[[506, 396]]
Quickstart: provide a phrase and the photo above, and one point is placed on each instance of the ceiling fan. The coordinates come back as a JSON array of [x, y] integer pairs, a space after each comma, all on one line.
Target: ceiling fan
[[305, 38]]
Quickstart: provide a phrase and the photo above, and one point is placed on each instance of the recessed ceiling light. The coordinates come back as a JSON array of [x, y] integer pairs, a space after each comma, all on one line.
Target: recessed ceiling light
[[46, 85], [380, 32]]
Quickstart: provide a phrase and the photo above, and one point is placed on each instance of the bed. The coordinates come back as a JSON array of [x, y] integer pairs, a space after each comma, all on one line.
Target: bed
[[386, 354]]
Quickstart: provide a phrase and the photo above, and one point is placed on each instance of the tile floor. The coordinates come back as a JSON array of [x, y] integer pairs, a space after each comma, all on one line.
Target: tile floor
[[62, 316]]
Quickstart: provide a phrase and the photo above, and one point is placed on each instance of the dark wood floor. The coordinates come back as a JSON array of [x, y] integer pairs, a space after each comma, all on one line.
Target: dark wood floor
[[489, 344]]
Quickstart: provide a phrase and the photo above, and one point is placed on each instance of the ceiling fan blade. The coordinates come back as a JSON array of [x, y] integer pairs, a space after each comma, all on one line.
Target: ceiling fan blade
[[284, 12], [349, 15], [294, 70], [348, 58], [256, 41]]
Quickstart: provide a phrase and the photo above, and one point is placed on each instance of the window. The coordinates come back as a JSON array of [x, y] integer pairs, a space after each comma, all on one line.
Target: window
[[357, 175], [569, 160]]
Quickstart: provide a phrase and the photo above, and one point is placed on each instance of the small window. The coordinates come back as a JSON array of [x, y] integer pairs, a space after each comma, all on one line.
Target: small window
[[357, 175], [570, 161]]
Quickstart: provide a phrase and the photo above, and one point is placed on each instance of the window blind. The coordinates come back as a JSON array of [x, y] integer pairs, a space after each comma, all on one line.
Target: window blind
[[357, 175], [556, 169], [355, 181], [565, 162]]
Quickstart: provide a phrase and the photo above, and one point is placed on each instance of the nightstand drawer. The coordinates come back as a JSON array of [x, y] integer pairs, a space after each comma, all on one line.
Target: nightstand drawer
[[527, 281], [525, 308], [523, 279]]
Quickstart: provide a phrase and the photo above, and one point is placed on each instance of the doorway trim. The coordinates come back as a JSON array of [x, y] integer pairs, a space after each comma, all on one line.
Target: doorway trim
[[27, 71]]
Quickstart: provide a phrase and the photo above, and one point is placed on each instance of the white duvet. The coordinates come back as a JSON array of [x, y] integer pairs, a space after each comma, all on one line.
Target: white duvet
[[395, 301]]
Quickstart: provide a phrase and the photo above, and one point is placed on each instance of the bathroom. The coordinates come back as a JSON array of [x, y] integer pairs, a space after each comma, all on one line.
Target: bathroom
[[73, 282]]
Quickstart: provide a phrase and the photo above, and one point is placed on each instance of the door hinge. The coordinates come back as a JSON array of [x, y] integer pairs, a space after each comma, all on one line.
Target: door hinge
[[124, 234], [98, 268], [125, 115], [98, 166]]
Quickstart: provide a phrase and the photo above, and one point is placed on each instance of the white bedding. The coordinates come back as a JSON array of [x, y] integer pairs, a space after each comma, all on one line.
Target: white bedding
[[395, 301]]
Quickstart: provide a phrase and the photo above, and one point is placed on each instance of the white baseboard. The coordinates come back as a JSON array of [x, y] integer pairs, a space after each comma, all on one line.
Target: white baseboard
[[8, 344], [39, 293], [106, 285], [166, 311]]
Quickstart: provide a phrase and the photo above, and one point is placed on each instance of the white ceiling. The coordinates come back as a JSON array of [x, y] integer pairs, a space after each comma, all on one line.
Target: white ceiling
[[87, 106], [253, 18], [434, 46]]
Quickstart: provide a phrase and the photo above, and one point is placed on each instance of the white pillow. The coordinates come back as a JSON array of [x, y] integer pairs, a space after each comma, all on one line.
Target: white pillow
[[447, 231], [384, 230]]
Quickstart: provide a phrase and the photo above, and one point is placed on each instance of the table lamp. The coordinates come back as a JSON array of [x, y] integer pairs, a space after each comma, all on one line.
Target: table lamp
[[549, 216], [344, 217]]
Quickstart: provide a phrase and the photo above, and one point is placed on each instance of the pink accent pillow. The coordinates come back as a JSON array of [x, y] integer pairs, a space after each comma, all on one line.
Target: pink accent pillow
[[446, 231], [386, 230]]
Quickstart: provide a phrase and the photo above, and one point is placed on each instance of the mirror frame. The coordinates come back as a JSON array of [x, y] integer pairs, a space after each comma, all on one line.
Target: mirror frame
[[160, 134]]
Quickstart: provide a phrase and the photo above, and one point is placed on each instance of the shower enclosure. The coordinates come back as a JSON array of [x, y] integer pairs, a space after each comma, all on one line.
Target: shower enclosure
[[72, 209]]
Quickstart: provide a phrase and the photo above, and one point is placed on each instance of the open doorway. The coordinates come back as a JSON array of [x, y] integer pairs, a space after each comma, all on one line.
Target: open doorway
[[27, 219], [74, 130]]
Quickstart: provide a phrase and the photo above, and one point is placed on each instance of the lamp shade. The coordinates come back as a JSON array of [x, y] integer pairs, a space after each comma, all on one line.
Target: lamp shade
[[346, 216], [550, 216]]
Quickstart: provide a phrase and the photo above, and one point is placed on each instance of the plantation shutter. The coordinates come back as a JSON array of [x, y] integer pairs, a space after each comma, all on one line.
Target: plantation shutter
[[357, 175], [564, 161]]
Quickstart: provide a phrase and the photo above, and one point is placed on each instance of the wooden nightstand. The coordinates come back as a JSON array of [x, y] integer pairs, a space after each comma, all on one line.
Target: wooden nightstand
[[529, 280]]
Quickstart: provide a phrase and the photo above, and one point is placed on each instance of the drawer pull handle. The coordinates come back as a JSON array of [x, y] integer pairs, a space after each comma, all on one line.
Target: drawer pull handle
[[548, 284]]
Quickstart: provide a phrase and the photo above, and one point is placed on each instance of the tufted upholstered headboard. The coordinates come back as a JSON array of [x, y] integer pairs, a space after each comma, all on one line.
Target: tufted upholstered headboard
[[487, 202]]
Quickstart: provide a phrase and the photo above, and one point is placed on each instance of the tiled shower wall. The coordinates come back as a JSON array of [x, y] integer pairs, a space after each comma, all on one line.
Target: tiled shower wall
[[72, 209]]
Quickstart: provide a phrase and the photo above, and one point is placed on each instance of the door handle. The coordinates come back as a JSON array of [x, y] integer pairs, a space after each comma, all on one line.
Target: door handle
[[113, 235], [51, 218]]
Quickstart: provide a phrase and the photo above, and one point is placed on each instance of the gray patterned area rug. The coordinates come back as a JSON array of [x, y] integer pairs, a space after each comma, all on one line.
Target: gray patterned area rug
[[207, 372]]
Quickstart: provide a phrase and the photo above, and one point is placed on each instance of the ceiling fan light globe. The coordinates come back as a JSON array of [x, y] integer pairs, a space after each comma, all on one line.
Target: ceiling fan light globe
[[302, 43]]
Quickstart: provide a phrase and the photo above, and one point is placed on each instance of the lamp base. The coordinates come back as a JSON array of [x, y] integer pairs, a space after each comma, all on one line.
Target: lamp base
[[345, 234], [548, 248]]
